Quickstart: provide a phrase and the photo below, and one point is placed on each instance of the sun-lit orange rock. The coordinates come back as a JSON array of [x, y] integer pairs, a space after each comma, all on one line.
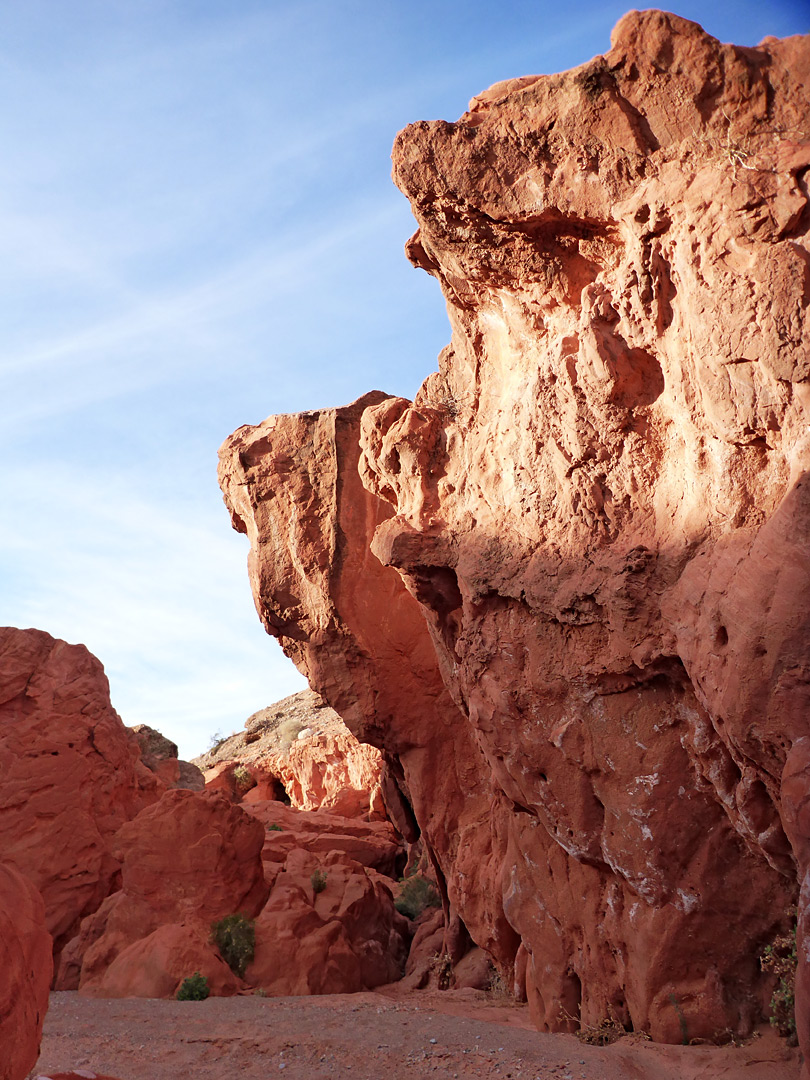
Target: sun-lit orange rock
[[329, 927], [299, 749], [569, 600], [26, 963]]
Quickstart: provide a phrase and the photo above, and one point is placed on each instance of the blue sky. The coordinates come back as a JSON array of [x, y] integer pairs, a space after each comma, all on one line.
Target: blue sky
[[198, 229]]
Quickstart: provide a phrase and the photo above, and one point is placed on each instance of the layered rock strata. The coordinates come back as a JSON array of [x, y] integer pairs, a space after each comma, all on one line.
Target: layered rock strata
[[566, 589]]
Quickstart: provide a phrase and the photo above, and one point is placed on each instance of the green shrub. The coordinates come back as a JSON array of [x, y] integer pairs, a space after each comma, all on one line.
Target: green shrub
[[318, 880], [780, 958], [193, 988], [274, 828], [242, 779], [416, 894], [235, 937]]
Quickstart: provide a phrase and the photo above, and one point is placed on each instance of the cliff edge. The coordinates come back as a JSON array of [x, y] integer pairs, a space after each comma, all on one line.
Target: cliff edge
[[566, 591]]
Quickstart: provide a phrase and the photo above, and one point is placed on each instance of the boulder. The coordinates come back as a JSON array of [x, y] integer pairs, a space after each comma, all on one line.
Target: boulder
[[327, 928], [157, 965], [71, 772], [187, 861], [26, 962]]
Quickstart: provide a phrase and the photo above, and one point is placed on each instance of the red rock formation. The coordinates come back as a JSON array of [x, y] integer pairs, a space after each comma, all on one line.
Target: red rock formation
[[598, 505], [301, 749], [365, 647], [71, 774], [337, 938], [26, 964], [373, 844], [159, 755], [186, 861]]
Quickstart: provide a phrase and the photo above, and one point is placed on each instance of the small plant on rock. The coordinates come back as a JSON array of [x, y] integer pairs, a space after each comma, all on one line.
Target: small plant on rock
[[214, 743], [780, 958], [416, 894], [243, 779], [318, 880], [287, 733], [274, 828], [235, 937], [193, 988]]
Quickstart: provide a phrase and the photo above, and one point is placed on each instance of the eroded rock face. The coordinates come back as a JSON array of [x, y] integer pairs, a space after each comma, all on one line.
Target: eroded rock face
[[292, 484], [71, 774], [599, 509], [26, 963], [329, 927], [300, 749], [188, 860]]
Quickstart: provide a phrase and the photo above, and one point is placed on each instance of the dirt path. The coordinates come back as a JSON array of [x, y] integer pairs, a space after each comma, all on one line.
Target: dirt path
[[368, 1036]]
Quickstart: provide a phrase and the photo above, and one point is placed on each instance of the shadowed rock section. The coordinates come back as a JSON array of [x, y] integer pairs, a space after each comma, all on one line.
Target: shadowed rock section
[[566, 590]]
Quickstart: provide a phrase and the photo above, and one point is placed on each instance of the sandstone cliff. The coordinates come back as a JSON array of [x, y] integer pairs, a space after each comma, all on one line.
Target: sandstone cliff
[[71, 774], [566, 589]]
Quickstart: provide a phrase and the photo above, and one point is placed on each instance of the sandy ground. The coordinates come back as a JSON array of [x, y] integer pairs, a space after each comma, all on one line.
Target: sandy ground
[[369, 1036]]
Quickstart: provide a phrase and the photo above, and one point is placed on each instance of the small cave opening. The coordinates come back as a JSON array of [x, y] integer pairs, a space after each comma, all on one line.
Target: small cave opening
[[436, 588]]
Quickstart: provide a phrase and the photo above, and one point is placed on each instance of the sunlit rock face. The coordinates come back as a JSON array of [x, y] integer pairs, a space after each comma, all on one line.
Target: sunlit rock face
[[570, 597]]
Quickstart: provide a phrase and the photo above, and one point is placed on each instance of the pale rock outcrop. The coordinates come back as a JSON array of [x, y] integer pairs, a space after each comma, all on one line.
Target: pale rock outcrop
[[26, 965], [598, 507], [302, 745]]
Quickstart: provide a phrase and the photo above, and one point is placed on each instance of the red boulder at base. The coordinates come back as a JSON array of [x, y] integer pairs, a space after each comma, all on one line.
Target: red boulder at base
[[566, 590], [188, 860], [26, 965], [329, 927]]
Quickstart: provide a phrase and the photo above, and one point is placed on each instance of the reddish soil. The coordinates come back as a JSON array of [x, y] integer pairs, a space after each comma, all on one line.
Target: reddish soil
[[364, 1036]]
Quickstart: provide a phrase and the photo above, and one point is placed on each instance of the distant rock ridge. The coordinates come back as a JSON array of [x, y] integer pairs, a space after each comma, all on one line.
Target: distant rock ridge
[[566, 591], [303, 747]]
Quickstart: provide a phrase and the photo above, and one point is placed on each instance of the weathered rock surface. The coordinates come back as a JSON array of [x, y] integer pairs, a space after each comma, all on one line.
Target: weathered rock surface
[[302, 745], [159, 754], [598, 507], [71, 774], [187, 860], [344, 938], [373, 844], [361, 639], [26, 964]]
